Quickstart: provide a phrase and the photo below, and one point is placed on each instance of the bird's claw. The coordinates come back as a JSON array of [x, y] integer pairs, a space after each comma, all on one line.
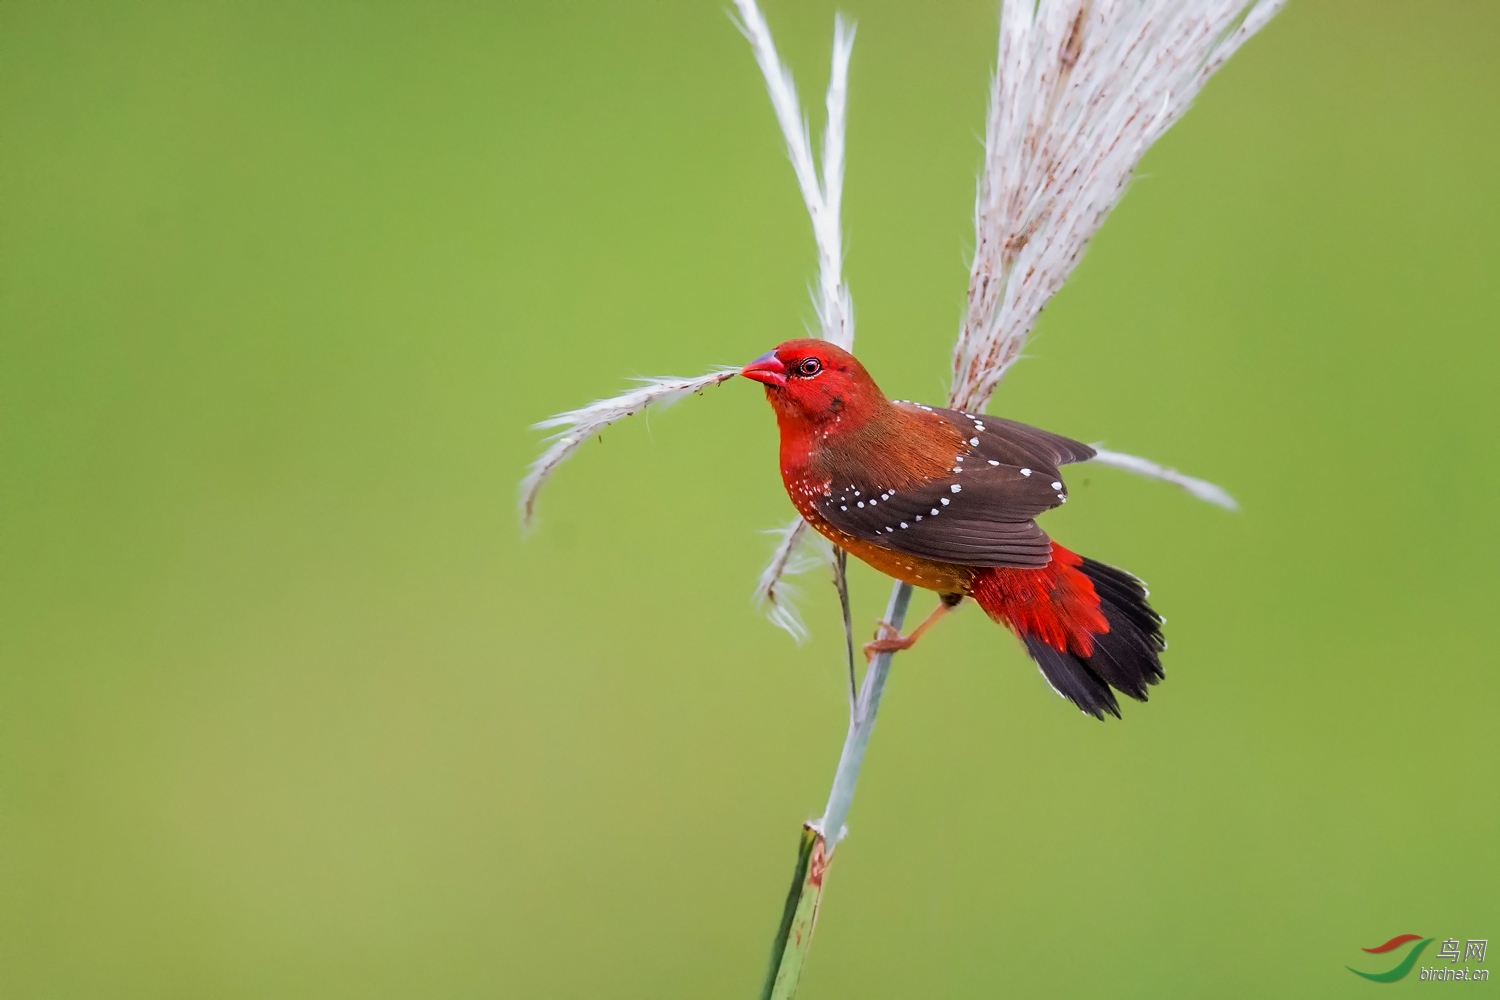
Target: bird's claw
[[888, 639]]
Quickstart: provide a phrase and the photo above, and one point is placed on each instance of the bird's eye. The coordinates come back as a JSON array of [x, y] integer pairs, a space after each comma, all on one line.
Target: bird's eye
[[809, 367]]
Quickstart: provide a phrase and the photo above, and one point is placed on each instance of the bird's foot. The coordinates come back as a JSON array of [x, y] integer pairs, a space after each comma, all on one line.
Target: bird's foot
[[888, 639]]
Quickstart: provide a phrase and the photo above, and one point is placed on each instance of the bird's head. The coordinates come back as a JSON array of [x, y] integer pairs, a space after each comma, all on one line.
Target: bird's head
[[812, 382]]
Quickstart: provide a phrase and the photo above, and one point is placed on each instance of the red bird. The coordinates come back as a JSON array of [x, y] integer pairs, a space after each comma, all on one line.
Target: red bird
[[947, 500]]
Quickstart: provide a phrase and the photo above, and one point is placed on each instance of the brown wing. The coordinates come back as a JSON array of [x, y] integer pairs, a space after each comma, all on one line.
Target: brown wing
[[981, 516], [1010, 442]]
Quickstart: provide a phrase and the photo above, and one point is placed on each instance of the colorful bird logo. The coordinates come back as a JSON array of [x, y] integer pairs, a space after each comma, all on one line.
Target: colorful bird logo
[[1402, 967]]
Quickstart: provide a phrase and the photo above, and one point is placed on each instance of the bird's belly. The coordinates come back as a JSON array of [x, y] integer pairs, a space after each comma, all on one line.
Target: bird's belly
[[945, 578]]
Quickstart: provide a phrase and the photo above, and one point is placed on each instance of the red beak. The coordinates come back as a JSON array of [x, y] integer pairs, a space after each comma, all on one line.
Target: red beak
[[767, 368]]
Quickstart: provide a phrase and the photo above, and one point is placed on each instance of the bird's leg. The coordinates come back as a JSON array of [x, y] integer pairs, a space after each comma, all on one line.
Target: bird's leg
[[889, 640]]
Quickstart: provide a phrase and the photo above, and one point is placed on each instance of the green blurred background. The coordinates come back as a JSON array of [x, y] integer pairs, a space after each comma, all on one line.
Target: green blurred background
[[290, 708]]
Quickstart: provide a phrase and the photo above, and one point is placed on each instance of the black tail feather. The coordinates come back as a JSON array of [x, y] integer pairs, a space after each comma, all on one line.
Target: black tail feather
[[1071, 677], [1127, 657]]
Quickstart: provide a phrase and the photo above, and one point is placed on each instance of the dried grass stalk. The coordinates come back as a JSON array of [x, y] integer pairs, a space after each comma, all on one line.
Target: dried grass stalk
[[822, 191], [1082, 88], [1200, 488], [577, 426], [798, 549]]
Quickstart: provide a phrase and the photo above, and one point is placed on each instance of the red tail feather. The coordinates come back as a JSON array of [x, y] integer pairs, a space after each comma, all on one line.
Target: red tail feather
[[1056, 604], [1087, 626]]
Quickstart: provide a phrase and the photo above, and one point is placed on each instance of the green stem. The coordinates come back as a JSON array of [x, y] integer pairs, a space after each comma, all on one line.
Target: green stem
[[815, 850], [794, 936]]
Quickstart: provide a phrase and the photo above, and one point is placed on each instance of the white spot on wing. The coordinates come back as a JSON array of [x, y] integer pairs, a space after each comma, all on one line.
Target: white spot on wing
[[956, 488]]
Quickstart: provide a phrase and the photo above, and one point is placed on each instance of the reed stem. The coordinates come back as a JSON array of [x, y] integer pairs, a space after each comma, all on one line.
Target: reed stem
[[861, 725], [815, 848]]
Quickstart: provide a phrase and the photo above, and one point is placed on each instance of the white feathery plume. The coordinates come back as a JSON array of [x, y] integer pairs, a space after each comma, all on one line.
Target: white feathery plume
[[1200, 488], [577, 426], [796, 552], [822, 193], [1082, 88]]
